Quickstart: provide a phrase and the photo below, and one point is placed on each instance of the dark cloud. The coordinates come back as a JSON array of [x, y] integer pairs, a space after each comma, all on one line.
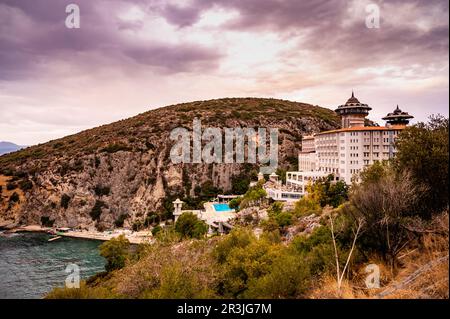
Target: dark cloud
[[44, 39]]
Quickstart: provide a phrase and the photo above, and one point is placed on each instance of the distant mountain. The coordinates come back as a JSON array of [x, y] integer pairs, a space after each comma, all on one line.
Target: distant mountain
[[8, 147]]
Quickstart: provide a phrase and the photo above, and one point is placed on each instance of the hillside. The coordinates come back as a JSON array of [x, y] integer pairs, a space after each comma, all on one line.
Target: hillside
[[123, 169]]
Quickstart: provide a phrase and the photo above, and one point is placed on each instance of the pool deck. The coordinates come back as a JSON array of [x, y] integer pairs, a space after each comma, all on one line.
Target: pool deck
[[212, 216]]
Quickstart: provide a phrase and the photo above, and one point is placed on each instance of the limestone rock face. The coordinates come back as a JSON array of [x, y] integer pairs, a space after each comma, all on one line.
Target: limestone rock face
[[125, 167]]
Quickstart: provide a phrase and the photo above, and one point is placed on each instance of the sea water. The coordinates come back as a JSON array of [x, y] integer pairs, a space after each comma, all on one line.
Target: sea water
[[30, 266]]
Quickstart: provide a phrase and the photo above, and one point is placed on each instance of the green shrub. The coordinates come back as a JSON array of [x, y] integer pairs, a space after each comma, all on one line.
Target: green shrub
[[156, 230], [284, 219], [151, 219], [116, 252], [236, 238], [275, 209], [189, 226], [422, 150], [234, 203]]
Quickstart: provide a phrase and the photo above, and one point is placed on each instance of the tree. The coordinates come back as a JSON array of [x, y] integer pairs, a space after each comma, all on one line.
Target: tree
[[386, 204], [284, 219], [253, 196], [329, 192], [116, 252], [189, 226], [422, 149], [339, 274]]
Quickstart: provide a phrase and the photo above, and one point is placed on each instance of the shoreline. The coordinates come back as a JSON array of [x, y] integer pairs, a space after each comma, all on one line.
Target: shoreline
[[136, 238]]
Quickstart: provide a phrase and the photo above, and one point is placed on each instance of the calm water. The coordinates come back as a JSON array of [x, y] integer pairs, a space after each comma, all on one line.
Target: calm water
[[30, 266]]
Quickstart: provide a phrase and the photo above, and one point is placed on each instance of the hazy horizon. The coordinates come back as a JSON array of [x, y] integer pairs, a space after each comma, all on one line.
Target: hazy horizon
[[132, 56]]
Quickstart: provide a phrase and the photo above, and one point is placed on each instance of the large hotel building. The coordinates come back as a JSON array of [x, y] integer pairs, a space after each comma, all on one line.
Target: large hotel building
[[343, 152]]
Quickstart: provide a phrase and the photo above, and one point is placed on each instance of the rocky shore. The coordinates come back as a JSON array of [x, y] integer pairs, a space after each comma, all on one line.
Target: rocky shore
[[139, 237]]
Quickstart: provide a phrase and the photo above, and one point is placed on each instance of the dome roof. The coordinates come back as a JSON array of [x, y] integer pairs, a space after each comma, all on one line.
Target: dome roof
[[352, 99], [353, 106], [397, 114]]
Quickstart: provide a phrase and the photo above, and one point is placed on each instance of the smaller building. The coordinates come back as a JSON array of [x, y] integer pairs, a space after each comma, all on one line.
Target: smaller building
[[308, 144]]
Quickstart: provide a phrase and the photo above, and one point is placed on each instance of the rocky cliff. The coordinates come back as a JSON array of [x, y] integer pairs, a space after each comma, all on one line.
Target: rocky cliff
[[92, 178]]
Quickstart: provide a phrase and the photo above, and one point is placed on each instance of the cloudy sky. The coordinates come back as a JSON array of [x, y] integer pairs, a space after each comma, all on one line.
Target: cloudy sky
[[131, 56]]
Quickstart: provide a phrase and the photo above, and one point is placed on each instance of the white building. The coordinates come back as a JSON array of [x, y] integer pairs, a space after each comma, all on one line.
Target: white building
[[345, 152]]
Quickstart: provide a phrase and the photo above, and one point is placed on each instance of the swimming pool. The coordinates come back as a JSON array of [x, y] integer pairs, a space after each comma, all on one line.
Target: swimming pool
[[222, 207]]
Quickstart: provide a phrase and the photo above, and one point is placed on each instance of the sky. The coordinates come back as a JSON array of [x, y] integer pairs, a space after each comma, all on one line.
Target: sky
[[128, 57]]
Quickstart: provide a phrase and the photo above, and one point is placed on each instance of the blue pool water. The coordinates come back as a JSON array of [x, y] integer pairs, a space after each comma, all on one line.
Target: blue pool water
[[221, 207]]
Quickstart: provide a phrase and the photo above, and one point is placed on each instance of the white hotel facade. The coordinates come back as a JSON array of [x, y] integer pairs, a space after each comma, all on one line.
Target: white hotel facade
[[343, 152]]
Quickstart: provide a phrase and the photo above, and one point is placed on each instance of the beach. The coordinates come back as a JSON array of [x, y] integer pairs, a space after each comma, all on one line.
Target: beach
[[138, 237]]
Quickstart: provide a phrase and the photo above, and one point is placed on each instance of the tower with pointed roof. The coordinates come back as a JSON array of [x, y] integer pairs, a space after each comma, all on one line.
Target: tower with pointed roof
[[398, 117], [353, 112]]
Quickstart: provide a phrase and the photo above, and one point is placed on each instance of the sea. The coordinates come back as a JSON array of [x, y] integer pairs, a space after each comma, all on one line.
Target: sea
[[31, 266]]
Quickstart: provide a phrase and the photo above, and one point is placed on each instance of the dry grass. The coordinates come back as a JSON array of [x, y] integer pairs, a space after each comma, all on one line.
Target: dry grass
[[424, 272], [327, 289]]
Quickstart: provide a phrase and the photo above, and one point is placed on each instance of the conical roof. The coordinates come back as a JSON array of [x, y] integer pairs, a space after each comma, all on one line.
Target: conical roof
[[397, 116], [353, 105]]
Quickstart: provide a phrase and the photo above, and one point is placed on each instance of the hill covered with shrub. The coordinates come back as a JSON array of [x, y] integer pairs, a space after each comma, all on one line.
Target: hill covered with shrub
[[121, 173]]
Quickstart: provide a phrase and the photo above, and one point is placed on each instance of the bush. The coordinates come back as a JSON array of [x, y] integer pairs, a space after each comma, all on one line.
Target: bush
[[25, 185], [14, 198], [422, 150], [10, 186], [306, 205], [120, 220], [275, 209], [65, 199], [386, 204], [46, 221], [116, 252], [259, 268], [151, 219], [137, 225], [102, 190], [234, 203], [97, 210], [156, 230], [113, 148], [239, 184], [328, 192], [253, 196], [284, 219], [189, 226], [236, 238]]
